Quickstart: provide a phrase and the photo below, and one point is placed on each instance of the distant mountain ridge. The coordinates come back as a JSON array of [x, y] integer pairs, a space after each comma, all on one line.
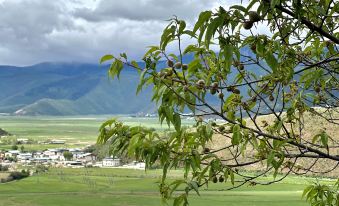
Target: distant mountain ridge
[[78, 89], [70, 89]]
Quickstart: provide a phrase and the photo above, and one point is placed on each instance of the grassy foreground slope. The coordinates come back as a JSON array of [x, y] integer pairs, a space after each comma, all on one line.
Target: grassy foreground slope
[[116, 187]]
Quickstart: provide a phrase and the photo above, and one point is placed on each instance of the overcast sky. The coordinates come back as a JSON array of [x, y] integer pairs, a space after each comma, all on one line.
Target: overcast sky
[[34, 31]]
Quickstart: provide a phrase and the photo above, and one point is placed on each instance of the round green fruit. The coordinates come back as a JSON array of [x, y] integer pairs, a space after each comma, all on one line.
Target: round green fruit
[[221, 128], [200, 84], [317, 89], [236, 91], [207, 150], [221, 179], [213, 91], [245, 106], [214, 85], [253, 47], [247, 25], [215, 179], [177, 65], [170, 63], [254, 16], [184, 67]]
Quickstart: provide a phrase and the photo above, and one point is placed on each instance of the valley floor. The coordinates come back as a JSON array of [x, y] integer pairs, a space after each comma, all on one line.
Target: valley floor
[[116, 187]]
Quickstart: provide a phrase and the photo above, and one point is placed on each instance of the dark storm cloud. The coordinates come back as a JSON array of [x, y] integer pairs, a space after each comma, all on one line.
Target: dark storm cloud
[[33, 31]]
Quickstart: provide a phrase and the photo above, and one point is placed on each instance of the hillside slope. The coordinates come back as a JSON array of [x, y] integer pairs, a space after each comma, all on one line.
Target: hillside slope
[[69, 89]]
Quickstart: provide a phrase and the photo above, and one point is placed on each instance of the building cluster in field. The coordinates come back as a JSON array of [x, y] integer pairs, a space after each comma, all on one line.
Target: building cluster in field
[[57, 157]]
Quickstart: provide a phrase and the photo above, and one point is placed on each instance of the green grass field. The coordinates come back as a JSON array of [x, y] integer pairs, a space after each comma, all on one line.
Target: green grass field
[[78, 131], [122, 187], [117, 187]]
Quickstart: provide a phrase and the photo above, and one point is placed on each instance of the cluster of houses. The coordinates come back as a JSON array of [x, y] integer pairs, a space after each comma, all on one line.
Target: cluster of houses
[[56, 157]]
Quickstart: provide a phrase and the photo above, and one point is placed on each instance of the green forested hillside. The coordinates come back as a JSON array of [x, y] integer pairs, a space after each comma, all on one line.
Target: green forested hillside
[[68, 89]]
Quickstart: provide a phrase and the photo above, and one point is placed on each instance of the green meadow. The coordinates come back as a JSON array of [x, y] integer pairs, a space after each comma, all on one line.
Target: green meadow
[[124, 187], [117, 187], [77, 131]]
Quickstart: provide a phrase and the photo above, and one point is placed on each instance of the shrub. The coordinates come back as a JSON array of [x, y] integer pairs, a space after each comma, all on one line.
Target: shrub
[[19, 175], [3, 168]]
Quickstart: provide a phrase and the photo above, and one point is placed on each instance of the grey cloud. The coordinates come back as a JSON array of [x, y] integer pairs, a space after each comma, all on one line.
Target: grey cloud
[[33, 18], [24, 26], [140, 10], [102, 38], [33, 31]]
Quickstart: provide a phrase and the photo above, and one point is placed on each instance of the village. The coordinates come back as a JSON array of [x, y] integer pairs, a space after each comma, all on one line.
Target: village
[[62, 157], [59, 156]]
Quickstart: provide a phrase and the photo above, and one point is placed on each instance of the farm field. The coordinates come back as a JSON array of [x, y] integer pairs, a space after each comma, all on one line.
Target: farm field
[[77, 131], [116, 187]]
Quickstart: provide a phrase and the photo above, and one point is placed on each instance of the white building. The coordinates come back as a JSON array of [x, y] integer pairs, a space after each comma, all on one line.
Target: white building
[[76, 153], [111, 162], [22, 140], [41, 159], [140, 165], [75, 164], [87, 157], [136, 165], [58, 141], [25, 156], [55, 154], [12, 153]]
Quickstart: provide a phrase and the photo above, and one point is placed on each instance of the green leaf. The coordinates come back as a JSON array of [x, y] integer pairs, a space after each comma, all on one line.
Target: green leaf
[[133, 144], [167, 36], [151, 50], [195, 187], [123, 55], [142, 81], [324, 139], [115, 69], [270, 158], [231, 173], [211, 29], [182, 26], [178, 201], [228, 55], [239, 7], [271, 61], [106, 58], [165, 41], [236, 137], [203, 17], [135, 64], [274, 3], [190, 48], [177, 122]]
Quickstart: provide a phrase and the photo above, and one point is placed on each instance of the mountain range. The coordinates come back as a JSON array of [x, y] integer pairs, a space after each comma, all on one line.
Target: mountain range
[[76, 89], [70, 89]]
